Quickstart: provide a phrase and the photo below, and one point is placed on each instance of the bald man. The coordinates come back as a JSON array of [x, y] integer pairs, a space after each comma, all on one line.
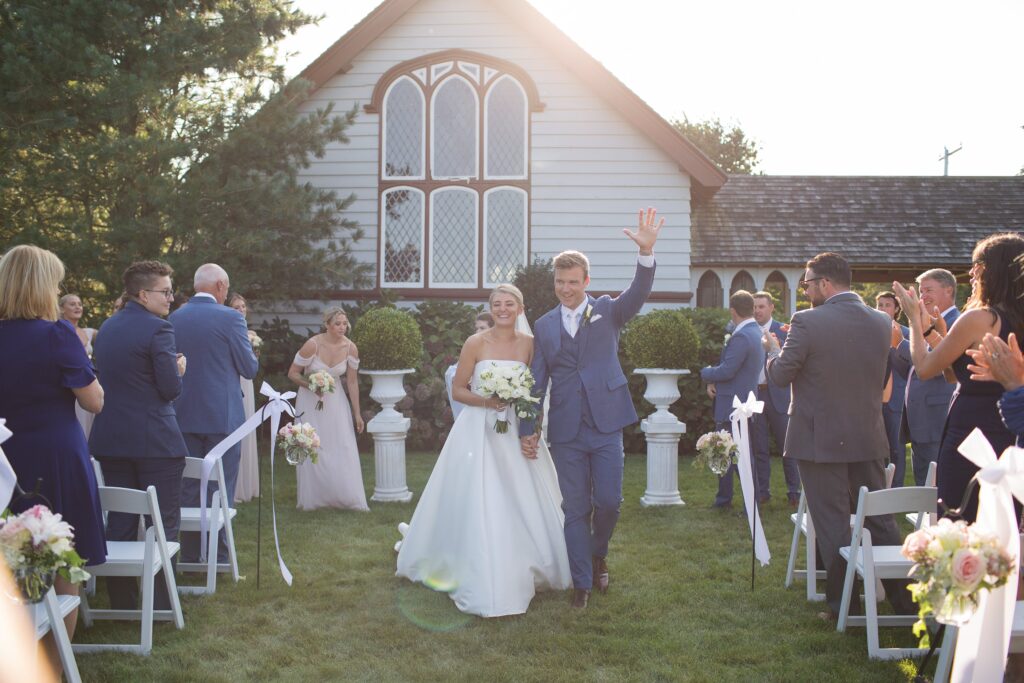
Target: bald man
[[215, 341]]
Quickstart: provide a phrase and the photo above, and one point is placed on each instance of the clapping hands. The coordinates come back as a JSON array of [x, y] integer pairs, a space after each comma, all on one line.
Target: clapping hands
[[998, 361]]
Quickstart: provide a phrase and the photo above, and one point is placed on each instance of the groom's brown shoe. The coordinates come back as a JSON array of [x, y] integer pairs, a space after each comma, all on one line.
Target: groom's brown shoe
[[600, 569], [580, 596]]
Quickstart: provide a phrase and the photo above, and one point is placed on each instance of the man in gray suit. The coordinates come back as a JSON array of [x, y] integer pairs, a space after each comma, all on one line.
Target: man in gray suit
[[834, 360], [927, 401]]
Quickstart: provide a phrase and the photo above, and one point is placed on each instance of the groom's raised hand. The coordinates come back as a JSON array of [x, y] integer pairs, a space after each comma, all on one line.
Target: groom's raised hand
[[647, 231], [528, 444]]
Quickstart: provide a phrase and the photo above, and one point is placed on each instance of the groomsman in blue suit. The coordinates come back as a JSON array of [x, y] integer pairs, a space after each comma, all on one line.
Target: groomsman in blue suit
[[776, 412], [735, 375], [576, 348], [927, 401], [215, 341]]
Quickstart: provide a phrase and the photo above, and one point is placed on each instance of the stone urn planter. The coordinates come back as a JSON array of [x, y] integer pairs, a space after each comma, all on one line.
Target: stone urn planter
[[390, 346], [661, 345]]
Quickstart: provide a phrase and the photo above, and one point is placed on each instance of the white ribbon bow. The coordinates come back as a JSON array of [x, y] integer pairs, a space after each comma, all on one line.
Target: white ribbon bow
[[277, 404], [983, 641], [7, 476], [742, 411]]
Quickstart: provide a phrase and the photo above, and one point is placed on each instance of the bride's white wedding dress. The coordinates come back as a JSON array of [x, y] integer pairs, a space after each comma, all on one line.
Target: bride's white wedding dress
[[488, 527]]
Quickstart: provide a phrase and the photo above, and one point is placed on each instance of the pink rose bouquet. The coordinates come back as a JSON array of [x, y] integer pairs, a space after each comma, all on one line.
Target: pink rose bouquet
[[36, 545], [716, 451], [321, 383], [299, 441], [954, 563]]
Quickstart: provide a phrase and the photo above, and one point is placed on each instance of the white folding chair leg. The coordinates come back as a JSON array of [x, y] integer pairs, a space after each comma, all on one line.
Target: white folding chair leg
[[232, 554], [944, 665], [812, 563], [60, 637], [146, 597], [794, 548]]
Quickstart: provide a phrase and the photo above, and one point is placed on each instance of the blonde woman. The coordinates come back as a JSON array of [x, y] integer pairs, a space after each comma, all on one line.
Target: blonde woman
[[71, 309], [43, 371], [336, 479], [247, 486], [488, 527]]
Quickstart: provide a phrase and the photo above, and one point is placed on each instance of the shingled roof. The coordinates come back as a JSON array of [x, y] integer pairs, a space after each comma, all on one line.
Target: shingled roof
[[873, 221]]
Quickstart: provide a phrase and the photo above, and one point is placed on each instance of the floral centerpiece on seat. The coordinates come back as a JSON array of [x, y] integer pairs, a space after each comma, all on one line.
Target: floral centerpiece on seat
[[299, 441], [37, 545], [716, 451], [955, 561]]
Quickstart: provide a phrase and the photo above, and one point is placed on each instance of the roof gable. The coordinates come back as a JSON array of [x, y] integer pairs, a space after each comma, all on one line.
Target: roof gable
[[706, 175]]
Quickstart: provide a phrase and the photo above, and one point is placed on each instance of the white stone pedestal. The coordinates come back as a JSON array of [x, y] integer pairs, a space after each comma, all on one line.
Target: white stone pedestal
[[662, 463], [662, 430], [389, 459]]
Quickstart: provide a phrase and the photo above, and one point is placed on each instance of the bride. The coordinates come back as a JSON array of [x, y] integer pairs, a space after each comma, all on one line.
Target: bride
[[488, 527]]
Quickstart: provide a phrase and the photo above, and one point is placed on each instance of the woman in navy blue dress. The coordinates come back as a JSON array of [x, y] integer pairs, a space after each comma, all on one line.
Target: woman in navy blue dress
[[43, 370], [997, 282]]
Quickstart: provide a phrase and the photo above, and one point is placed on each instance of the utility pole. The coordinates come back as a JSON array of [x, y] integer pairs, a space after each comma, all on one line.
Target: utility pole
[[946, 154]]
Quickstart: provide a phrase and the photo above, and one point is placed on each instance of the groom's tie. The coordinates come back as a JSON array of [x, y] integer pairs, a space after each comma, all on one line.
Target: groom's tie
[[573, 319]]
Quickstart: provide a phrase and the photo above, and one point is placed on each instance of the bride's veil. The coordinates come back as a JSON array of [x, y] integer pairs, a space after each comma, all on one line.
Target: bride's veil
[[523, 325]]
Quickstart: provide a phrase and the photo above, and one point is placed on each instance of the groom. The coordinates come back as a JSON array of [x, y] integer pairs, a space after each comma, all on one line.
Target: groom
[[576, 351]]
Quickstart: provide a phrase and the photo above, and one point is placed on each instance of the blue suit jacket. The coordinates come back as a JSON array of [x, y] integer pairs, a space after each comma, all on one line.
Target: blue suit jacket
[[136, 358], [780, 395], [1011, 407], [607, 389], [216, 345], [927, 402], [738, 370]]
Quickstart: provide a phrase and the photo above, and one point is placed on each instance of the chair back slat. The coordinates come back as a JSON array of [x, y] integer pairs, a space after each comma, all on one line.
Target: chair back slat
[[899, 500], [129, 501]]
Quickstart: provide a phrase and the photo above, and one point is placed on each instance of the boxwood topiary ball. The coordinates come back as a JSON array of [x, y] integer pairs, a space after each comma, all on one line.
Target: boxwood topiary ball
[[661, 339], [388, 339]]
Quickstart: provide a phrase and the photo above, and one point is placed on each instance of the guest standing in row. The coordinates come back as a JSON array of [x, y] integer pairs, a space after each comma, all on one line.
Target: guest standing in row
[[216, 341], [997, 283], [336, 479], [927, 400], [71, 310], [835, 360], [248, 485], [735, 376], [136, 438], [43, 371], [892, 410]]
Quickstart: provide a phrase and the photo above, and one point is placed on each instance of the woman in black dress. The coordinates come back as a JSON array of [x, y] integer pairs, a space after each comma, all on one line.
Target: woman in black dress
[[997, 281]]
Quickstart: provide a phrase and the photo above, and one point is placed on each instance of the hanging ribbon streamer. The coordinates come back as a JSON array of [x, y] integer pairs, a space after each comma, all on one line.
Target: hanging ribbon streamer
[[740, 417], [277, 403], [8, 478], [983, 641]]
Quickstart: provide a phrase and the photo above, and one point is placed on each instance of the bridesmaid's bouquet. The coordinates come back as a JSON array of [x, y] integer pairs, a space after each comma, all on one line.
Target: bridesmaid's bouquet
[[37, 545], [954, 562], [511, 384], [716, 451], [299, 441], [321, 383]]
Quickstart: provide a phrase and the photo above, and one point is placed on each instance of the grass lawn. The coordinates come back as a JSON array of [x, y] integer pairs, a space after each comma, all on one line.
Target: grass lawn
[[680, 607]]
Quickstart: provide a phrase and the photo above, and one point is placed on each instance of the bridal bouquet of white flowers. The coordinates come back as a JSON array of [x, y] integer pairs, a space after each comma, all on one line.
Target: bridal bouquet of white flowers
[[256, 341], [321, 383], [716, 451], [955, 561], [512, 385], [36, 545], [299, 441]]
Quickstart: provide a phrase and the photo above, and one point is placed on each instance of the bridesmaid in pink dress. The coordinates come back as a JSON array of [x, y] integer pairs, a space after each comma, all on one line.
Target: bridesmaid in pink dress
[[336, 479]]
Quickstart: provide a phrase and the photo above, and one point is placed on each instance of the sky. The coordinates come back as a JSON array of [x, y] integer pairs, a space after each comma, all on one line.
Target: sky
[[824, 87]]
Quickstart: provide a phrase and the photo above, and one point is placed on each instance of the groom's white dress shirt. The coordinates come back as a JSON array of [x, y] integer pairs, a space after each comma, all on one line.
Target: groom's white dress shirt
[[571, 316]]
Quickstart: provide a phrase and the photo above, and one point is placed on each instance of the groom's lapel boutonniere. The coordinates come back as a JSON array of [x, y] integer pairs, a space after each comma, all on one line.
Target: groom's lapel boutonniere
[[727, 338], [588, 316]]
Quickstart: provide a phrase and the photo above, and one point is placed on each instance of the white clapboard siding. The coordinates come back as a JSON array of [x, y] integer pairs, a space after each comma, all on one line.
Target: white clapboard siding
[[591, 169]]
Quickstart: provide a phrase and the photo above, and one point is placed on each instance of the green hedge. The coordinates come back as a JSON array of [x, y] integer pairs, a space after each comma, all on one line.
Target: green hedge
[[388, 339]]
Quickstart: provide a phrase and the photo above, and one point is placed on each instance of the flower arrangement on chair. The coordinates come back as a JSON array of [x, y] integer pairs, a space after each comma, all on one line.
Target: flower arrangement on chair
[[716, 451], [955, 561], [37, 545], [299, 441]]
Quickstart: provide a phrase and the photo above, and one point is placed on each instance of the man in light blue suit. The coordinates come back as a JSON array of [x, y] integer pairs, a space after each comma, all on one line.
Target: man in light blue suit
[[927, 402], [215, 341], [576, 352], [735, 375]]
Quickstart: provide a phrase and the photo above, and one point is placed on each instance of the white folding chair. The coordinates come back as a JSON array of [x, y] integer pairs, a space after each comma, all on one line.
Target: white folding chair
[[802, 526], [874, 563], [218, 516], [924, 519], [48, 617], [143, 559]]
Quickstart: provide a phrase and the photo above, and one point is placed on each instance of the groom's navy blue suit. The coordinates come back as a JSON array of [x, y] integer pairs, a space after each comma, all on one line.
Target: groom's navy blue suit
[[590, 405]]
